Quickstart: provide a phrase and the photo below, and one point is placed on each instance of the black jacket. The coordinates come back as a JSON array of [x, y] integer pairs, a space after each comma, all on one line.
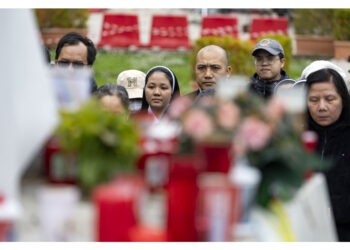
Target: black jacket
[[193, 95], [264, 87], [334, 143]]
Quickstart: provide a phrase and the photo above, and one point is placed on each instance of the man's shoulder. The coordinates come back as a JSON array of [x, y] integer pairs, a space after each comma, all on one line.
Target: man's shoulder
[[193, 94]]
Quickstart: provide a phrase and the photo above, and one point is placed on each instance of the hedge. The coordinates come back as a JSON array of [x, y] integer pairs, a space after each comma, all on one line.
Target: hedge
[[239, 52]]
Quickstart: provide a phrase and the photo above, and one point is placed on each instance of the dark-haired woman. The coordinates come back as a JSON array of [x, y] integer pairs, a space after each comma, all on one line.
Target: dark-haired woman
[[328, 106], [161, 87]]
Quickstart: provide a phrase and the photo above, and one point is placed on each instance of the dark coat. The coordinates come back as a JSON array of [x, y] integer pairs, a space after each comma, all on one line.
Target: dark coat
[[265, 88], [334, 143], [193, 95]]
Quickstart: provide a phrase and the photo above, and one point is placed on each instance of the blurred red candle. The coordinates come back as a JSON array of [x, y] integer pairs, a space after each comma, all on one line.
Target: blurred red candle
[[182, 194], [115, 205], [217, 157]]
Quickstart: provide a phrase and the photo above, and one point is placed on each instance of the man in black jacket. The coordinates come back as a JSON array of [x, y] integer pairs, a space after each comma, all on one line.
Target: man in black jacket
[[211, 64], [269, 61]]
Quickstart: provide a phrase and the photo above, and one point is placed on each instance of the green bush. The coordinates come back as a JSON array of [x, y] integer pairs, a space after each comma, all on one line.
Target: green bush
[[239, 53], [341, 24], [286, 43], [62, 18], [328, 22], [313, 21]]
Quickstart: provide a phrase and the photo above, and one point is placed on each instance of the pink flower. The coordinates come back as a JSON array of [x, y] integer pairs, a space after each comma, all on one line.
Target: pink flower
[[228, 115], [179, 106], [198, 124], [255, 133]]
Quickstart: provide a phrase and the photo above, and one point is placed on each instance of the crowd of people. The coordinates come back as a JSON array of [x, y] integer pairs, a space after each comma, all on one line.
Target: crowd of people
[[328, 100]]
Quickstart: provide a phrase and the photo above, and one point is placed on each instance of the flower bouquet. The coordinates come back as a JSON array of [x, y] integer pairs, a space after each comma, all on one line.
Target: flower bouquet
[[262, 131], [103, 142]]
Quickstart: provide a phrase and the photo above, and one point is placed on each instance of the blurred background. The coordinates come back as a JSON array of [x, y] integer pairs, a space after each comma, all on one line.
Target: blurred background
[[127, 38]]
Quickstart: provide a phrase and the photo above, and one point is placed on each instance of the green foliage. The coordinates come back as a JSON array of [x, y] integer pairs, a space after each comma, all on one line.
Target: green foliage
[[341, 24], [328, 22], [239, 53], [62, 18], [105, 143], [286, 43], [313, 22]]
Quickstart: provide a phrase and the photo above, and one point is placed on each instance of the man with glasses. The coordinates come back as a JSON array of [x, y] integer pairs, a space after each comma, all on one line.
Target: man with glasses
[[76, 51], [269, 61]]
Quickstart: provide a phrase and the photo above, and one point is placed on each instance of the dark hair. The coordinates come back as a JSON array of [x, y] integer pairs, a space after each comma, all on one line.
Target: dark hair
[[114, 90], [281, 56], [74, 38], [330, 75], [169, 75]]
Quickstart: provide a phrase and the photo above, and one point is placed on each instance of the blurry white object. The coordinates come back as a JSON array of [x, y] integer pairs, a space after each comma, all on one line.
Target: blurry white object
[[164, 129], [310, 214], [307, 217], [72, 87], [229, 87], [28, 109], [57, 212], [322, 64], [247, 178], [293, 98]]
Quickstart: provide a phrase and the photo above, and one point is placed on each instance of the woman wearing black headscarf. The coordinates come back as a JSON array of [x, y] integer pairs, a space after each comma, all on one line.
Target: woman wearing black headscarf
[[328, 106], [161, 87]]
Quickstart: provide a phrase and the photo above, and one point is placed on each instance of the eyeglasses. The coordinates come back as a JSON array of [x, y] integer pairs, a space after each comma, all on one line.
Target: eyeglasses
[[76, 64], [269, 59]]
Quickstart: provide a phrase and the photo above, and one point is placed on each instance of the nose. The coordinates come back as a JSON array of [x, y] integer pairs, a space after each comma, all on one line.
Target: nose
[[322, 106], [265, 61], [156, 91], [208, 73]]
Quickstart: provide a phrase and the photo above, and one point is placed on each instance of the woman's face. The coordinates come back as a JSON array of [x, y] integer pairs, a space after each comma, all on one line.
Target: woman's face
[[324, 103], [112, 103], [158, 91]]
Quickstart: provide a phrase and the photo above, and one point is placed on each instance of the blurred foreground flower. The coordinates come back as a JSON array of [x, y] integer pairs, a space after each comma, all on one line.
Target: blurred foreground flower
[[103, 142], [262, 131]]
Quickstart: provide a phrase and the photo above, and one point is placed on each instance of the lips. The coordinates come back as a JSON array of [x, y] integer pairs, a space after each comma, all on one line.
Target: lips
[[209, 83], [156, 100]]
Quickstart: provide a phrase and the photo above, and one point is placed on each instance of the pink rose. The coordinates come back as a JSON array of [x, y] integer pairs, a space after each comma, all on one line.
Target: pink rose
[[179, 106], [198, 124], [255, 133], [228, 115]]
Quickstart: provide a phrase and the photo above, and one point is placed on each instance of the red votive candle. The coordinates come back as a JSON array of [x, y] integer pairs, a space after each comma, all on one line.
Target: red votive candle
[[115, 205], [145, 233], [217, 157], [182, 195]]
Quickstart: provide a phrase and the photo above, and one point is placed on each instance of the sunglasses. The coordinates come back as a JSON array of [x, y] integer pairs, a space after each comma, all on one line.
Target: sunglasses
[[75, 64]]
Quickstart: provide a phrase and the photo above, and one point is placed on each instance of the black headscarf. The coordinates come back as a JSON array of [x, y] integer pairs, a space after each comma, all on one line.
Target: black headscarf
[[330, 75]]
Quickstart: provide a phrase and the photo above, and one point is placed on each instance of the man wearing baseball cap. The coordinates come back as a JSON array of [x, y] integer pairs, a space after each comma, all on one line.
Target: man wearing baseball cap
[[133, 81], [269, 61]]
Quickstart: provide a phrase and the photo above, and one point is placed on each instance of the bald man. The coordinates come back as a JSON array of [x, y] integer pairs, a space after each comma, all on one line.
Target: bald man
[[211, 64]]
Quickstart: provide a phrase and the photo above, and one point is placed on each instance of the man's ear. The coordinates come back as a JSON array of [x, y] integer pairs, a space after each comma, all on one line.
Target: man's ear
[[228, 70], [283, 60]]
